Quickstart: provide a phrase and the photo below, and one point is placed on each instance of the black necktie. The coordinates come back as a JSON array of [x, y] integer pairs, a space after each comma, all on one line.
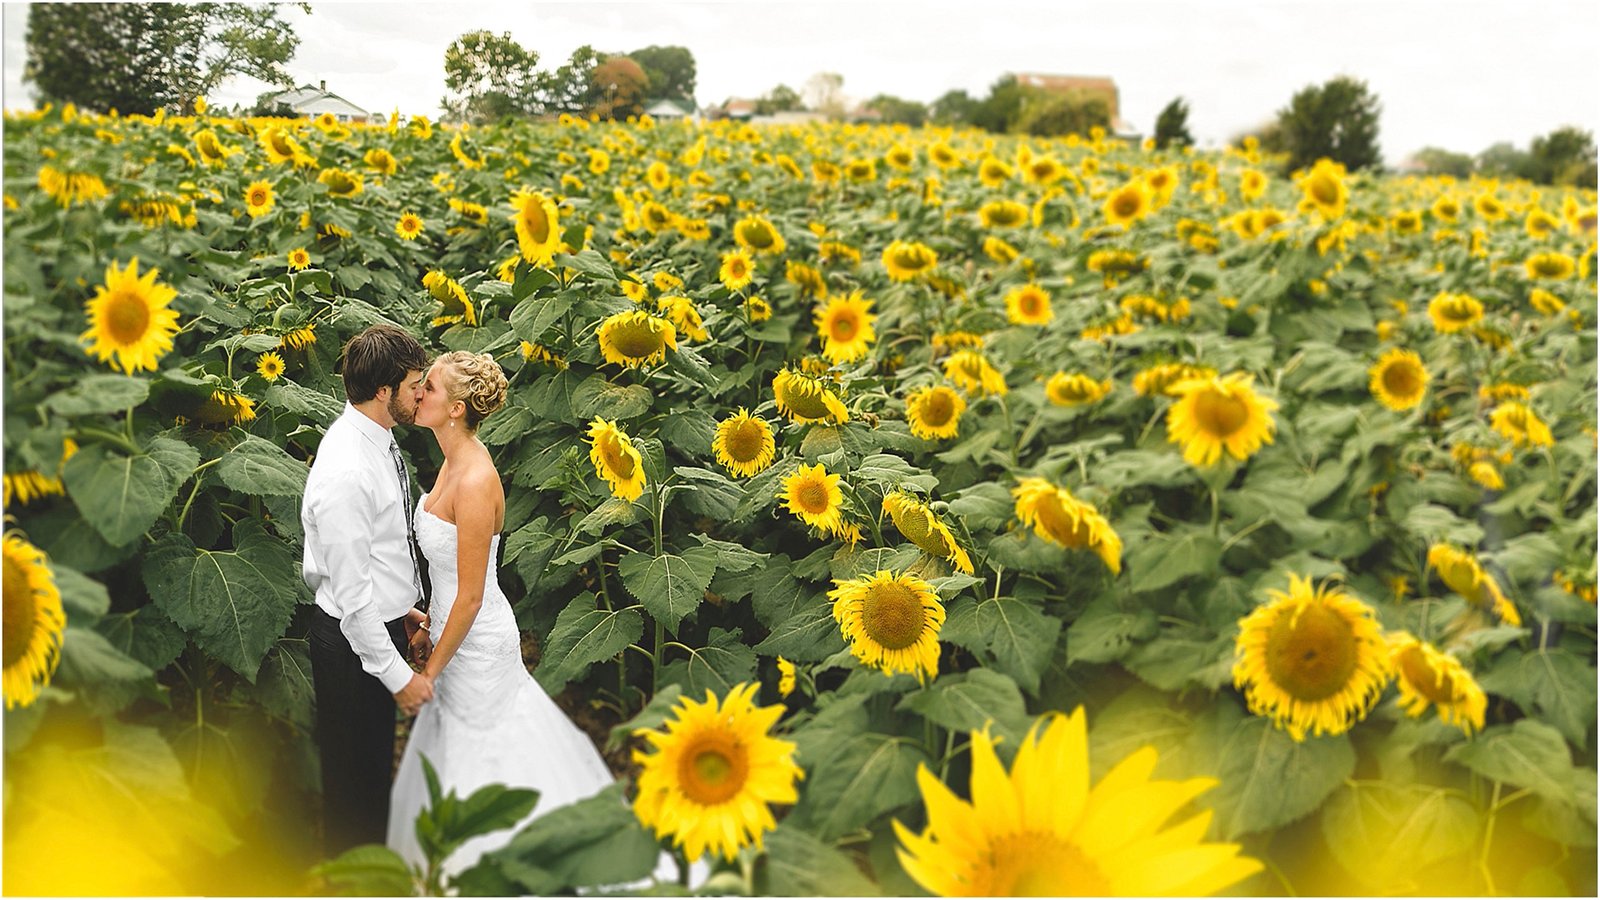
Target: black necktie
[[411, 525]]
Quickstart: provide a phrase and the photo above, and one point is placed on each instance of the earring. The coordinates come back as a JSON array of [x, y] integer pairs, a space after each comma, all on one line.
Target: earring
[[452, 423]]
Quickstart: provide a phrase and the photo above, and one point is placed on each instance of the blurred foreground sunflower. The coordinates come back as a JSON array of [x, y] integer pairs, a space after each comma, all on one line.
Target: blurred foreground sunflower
[[33, 624]]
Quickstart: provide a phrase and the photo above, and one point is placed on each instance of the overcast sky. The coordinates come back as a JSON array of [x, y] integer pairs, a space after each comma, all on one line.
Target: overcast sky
[[1459, 74]]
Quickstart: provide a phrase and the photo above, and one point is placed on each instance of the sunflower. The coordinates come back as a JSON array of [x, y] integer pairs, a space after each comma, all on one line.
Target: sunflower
[[34, 621], [714, 773], [845, 325], [1043, 170], [1454, 312], [785, 677], [1398, 379], [1160, 378], [684, 317], [934, 412], [409, 226], [1217, 414], [737, 270], [1407, 221], [1062, 519], [381, 161], [1311, 660], [281, 148], [342, 183], [906, 260], [666, 281], [1002, 214], [1489, 207], [1075, 389], [998, 250], [744, 444], [1540, 224], [599, 161], [807, 399], [634, 289], [1521, 425], [757, 235], [31, 485], [943, 155], [636, 338], [225, 407], [300, 338], [1042, 830], [538, 226], [1545, 302], [269, 366], [922, 527], [129, 318], [616, 459], [449, 292], [861, 170], [1029, 305], [1463, 574], [68, 188], [1325, 189], [459, 149], [900, 157], [658, 175], [258, 198], [971, 371], [1551, 265], [824, 172], [212, 151], [759, 309], [832, 252], [891, 621], [806, 278], [993, 173], [476, 213], [814, 496], [1252, 184], [1127, 204], [1424, 676]]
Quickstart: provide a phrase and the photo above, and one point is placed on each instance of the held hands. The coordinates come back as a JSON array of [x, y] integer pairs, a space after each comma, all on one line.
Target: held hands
[[418, 638], [418, 690]]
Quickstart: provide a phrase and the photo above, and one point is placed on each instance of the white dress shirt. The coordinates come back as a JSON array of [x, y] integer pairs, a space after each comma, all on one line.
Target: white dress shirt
[[357, 554]]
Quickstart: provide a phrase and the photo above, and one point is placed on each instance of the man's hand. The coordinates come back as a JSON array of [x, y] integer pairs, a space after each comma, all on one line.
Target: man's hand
[[418, 690]]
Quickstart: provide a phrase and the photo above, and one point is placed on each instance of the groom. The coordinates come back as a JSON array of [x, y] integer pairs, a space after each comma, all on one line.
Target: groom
[[359, 561]]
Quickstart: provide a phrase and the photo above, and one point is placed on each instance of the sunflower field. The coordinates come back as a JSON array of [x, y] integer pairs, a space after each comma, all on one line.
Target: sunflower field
[[915, 511]]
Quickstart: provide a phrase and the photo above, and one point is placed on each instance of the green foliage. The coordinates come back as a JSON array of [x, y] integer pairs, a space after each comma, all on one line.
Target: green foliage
[[670, 71], [1337, 120], [1050, 113], [780, 99], [898, 111], [1564, 156], [1172, 125], [1438, 161], [489, 76]]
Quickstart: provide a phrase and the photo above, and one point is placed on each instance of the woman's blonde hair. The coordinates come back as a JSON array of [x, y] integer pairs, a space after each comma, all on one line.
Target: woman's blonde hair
[[476, 380]]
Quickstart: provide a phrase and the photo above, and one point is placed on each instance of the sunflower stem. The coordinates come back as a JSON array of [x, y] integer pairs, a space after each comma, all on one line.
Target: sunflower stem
[[1216, 512], [110, 437], [655, 658], [1488, 842]]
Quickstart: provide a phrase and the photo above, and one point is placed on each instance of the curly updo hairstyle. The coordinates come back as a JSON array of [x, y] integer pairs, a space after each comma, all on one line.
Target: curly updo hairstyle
[[476, 380]]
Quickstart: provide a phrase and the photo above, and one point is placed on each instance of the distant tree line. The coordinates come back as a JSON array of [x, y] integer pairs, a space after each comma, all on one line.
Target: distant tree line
[[492, 76], [1564, 156]]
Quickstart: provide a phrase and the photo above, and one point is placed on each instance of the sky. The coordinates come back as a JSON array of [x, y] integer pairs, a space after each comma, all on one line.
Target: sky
[[1457, 74]]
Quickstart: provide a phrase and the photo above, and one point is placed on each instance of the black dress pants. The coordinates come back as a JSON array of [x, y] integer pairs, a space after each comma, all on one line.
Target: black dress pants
[[355, 737]]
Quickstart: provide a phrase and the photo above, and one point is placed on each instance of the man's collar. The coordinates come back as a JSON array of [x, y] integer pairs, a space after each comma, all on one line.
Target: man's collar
[[372, 431]]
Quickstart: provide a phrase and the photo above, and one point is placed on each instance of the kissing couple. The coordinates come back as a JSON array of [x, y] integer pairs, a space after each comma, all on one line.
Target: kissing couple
[[480, 717]]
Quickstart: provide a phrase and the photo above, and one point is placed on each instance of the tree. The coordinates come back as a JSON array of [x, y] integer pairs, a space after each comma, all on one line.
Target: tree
[[1002, 109], [896, 110], [824, 93], [1049, 113], [1437, 161], [1564, 156], [780, 99], [619, 87], [1337, 120], [1172, 125], [953, 108], [1504, 160], [570, 88], [138, 58], [670, 70], [489, 76]]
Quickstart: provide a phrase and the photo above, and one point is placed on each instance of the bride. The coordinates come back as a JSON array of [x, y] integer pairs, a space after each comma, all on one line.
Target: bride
[[489, 722]]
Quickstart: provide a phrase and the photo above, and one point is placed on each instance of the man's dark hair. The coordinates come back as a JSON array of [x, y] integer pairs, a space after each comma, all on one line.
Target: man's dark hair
[[380, 356]]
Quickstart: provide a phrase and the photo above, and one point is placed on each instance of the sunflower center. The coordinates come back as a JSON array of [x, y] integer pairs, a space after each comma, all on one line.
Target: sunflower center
[[758, 236], [812, 496], [21, 611], [1325, 191], [636, 340], [1219, 413], [1312, 654], [1035, 864], [616, 460], [713, 769], [1029, 303], [258, 197], [892, 615], [913, 523], [736, 268], [937, 409], [843, 327], [804, 402], [127, 317], [281, 143], [1126, 204], [537, 223], [744, 441], [1423, 678], [1402, 380]]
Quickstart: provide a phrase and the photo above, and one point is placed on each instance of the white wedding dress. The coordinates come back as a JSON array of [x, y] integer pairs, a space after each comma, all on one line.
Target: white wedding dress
[[489, 722]]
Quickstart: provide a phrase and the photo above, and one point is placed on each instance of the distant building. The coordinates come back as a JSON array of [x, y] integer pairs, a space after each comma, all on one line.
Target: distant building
[[1093, 86], [790, 117], [668, 110], [736, 108], [311, 102]]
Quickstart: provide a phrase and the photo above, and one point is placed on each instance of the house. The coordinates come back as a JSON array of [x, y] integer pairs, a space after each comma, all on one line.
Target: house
[[736, 108], [1094, 86], [666, 110], [790, 117], [311, 102]]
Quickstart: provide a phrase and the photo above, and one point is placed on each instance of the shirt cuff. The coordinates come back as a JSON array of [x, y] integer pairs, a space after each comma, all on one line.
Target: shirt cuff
[[396, 675]]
